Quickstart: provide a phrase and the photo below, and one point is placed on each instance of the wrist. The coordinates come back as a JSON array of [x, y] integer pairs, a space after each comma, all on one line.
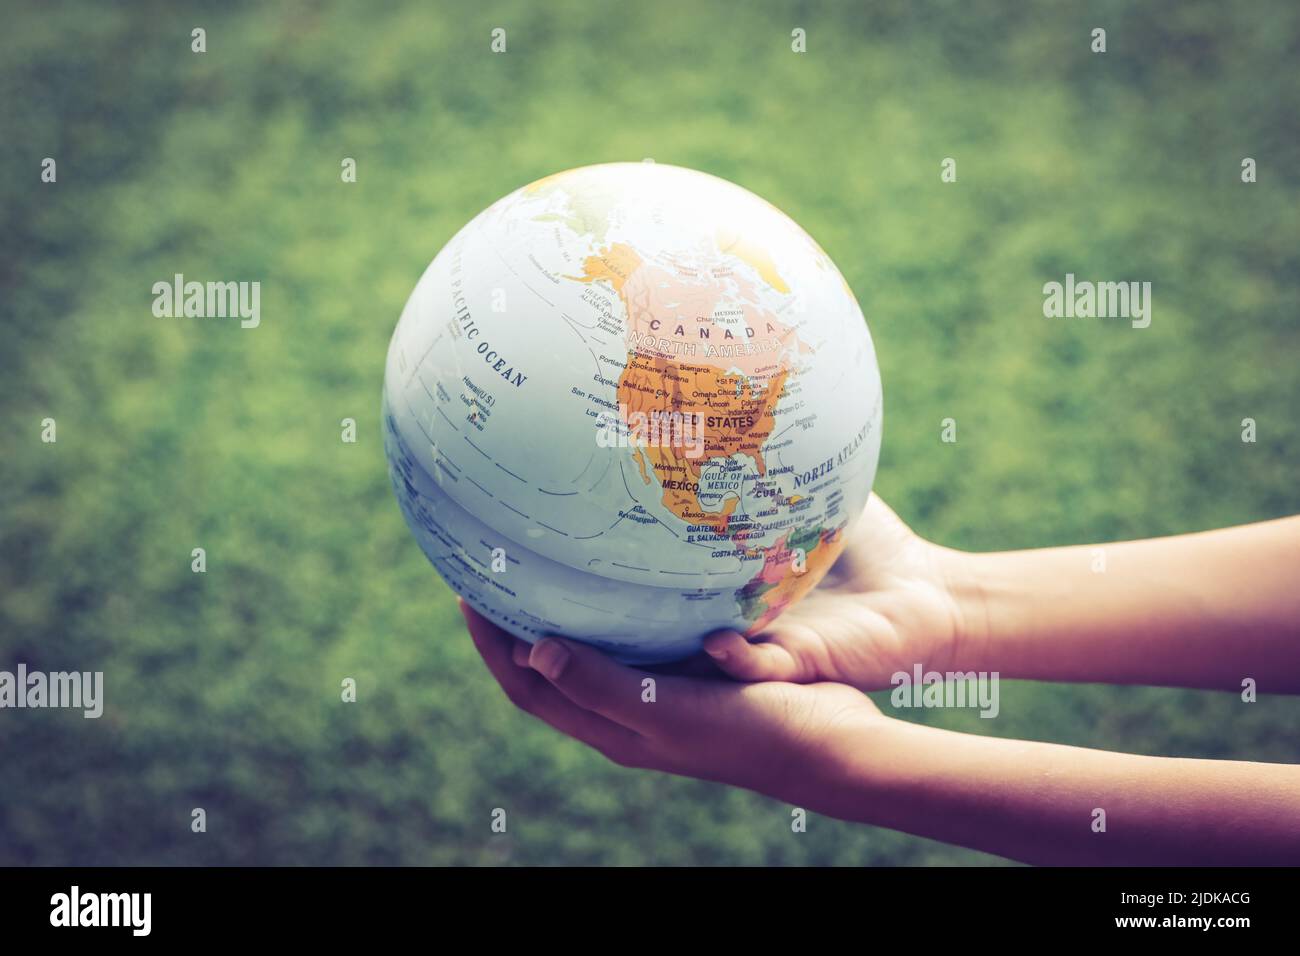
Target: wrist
[[854, 773], [967, 580], [893, 773]]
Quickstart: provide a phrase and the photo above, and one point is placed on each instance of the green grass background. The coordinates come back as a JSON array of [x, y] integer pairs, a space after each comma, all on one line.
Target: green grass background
[[223, 689]]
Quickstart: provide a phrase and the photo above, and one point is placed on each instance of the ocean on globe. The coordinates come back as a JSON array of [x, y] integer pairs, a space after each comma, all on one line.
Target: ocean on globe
[[632, 404]]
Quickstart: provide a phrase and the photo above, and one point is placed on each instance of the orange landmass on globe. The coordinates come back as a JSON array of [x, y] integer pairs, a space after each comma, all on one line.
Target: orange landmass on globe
[[675, 310], [779, 584], [613, 265], [678, 312], [720, 415]]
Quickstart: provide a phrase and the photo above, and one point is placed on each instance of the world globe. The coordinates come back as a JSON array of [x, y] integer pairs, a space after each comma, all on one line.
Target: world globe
[[632, 404]]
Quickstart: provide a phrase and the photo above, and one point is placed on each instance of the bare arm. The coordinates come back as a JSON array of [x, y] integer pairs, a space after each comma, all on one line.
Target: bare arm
[[1199, 610], [1040, 802]]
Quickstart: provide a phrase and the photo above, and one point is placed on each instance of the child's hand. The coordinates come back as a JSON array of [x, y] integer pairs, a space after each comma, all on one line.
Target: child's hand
[[888, 603], [1199, 610], [790, 741]]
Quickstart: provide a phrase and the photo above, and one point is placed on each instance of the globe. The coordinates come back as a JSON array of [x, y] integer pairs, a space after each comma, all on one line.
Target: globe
[[631, 404]]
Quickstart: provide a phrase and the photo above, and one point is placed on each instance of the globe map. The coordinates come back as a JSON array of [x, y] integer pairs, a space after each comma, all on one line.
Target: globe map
[[631, 404]]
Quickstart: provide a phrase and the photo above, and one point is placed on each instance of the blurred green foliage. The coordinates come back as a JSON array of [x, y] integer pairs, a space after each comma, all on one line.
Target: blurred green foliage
[[223, 689]]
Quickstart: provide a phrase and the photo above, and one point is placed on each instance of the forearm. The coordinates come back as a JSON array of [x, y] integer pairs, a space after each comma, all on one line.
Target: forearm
[[1199, 610], [1039, 802]]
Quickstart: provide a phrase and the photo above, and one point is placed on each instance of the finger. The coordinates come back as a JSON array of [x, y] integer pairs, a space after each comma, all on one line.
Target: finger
[[530, 692], [519, 652], [596, 682], [746, 661]]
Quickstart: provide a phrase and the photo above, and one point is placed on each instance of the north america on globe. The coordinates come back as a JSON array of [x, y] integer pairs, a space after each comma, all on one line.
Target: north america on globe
[[632, 404]]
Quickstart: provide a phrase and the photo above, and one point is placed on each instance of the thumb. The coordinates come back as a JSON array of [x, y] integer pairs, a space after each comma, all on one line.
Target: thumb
[[746, 661]]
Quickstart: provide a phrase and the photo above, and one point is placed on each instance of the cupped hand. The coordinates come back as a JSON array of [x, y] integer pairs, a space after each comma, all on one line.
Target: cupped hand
[[892, 600], [794, 742]]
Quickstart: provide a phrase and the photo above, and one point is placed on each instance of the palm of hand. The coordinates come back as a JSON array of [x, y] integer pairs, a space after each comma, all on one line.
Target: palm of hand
[[884, 606]]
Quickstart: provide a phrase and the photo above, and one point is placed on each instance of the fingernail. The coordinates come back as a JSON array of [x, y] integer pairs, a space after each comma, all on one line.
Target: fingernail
[[715, 645], [549, 658]]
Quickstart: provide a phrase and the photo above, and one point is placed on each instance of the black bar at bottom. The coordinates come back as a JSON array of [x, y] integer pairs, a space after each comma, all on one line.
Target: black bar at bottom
[[217, 905]]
